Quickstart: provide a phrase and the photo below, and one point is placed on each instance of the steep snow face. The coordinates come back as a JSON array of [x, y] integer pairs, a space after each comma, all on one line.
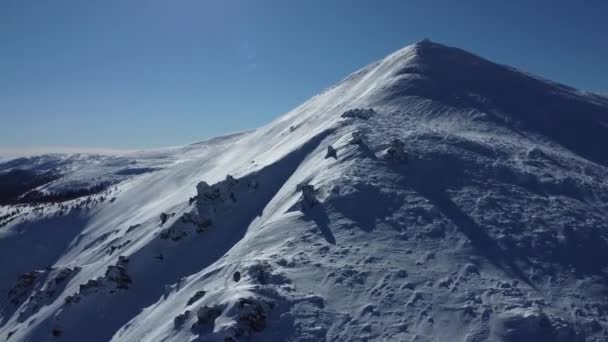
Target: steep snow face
[[431, 196]]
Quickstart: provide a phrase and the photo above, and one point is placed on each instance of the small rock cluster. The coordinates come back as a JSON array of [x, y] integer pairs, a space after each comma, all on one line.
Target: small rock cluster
[[116, 276], [173, 233], [208, 197], [114, 248], [201, 223], [118, 273], [395, 152], [180, 319], [34, 295], [222, 191], [177, 232], [358, 113], [206, 314], [24, 286], [251, 318]]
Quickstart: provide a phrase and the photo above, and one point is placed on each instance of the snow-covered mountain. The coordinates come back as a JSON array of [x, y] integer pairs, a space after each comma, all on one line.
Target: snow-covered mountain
[[431, 196]]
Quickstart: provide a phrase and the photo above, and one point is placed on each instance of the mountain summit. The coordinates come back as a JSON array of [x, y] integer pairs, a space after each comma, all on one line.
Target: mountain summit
[[430, 196]]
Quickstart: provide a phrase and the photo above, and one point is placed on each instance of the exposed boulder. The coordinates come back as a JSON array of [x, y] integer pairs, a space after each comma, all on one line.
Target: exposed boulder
[[331, 152], [118, 274], [116, 277], [219, 192], [251, 317], [262, 273], [357, 138], [133, 227], [10, 334], [122, 260], [198, 295], [206, 315], [308, 195], [91, 284], [236, 276], [181, 318], [231, 181], [206, 192], [163, 218]]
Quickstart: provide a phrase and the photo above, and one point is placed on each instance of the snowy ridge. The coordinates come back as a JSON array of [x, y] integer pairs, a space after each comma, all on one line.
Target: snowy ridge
[[431, 196]]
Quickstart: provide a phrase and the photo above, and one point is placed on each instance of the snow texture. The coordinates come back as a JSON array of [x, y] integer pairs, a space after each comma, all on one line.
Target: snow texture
[[431, 196]]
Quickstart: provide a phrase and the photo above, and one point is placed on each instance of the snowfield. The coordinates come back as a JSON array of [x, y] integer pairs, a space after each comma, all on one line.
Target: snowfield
[[431, 196]]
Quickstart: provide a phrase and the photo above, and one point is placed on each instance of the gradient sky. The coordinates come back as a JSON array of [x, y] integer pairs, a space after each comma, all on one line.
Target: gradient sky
[[141, 74]]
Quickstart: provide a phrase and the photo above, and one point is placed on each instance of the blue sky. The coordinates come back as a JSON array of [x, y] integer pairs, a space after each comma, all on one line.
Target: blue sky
[[142, 74]]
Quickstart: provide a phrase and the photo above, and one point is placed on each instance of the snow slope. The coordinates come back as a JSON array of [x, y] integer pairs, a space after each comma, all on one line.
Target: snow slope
[[431, 196]]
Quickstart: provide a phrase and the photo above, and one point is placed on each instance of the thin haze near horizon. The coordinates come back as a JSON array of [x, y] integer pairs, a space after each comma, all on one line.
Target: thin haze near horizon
[[113, 75]]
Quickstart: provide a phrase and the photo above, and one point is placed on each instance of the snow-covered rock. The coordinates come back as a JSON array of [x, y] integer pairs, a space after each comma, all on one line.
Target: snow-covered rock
[[395, 152]]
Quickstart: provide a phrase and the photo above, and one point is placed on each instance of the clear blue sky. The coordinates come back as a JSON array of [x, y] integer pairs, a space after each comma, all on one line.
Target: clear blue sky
[[141, 74]]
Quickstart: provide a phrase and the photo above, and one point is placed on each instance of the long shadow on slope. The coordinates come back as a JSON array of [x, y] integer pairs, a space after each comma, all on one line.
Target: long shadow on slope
[[430, 179], [187, 256], [366, 204], [318, 214], [480, 240]]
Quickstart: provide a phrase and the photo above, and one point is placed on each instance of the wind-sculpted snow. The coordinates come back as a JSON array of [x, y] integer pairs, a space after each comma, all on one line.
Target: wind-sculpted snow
[[432, 196]]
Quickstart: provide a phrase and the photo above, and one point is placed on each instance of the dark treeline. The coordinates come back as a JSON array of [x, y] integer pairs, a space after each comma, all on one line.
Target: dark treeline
[[17, 182], [40, 197], [17, 187]]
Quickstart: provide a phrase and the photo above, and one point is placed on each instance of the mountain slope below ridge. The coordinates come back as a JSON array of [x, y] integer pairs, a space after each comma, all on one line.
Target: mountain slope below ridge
[[469, 205]]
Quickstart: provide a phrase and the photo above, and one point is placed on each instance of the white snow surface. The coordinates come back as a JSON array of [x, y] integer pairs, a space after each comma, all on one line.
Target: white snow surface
[[494, 228]]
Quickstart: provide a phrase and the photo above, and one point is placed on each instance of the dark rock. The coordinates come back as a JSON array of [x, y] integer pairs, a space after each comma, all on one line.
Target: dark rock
[[181, 318], [118, 274], [198, 295], [252, 317], [133, 227], [331, 152], [163, 218], [357, 138], [207, 314]]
